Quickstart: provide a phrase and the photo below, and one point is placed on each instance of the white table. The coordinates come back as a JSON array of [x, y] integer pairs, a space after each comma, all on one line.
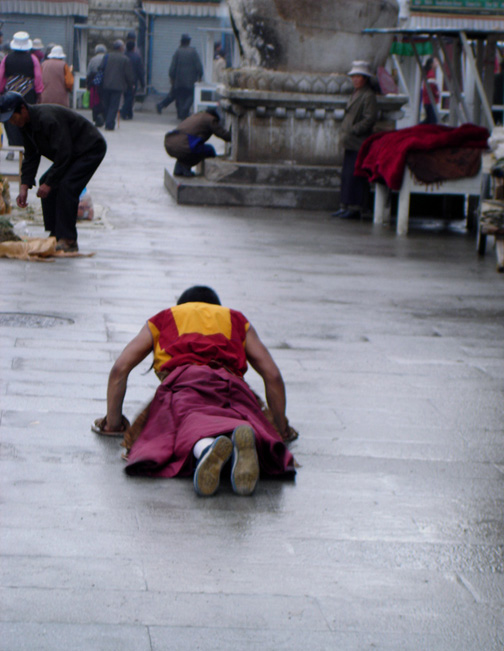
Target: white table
[[466, 186]]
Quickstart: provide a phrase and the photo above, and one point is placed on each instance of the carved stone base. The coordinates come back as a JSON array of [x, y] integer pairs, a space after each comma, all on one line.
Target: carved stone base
[[275, 186], [301, 128]]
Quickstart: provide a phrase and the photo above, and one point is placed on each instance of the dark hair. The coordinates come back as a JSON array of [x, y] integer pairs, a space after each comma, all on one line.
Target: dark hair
[[213, 112], [199, 294], [428, 64], [130, 46], [185, 39]]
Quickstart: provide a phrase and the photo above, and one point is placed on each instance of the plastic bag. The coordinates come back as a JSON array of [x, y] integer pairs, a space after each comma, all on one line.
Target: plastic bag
[[85, 209]]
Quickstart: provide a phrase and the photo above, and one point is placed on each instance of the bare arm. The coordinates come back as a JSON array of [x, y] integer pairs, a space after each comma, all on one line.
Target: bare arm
[[261, 360], [136, 351]]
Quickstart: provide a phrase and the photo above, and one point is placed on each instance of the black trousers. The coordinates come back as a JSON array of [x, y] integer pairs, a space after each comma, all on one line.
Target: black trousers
[[166, 101], [183, 101], [111, 100], [353, 188], [430, 115], [60, 207], [128, 103]]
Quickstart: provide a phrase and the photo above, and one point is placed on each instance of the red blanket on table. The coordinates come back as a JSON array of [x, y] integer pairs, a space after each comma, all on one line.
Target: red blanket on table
[[194, 402], [382, 157]]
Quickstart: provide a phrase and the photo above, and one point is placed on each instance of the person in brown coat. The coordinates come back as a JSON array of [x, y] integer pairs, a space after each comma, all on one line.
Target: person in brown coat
[[361, 113], [187, 142], [57, 77]]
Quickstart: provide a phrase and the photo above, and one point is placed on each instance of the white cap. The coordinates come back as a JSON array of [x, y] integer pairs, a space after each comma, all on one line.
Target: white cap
[[21, 41], [57, 53], [360, 68]]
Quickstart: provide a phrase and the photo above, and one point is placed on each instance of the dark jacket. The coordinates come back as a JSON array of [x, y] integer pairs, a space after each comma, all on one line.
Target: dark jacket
[[138, 68], [59, 134], [361, 113], [201, 125], [118, 73], [186, 67]]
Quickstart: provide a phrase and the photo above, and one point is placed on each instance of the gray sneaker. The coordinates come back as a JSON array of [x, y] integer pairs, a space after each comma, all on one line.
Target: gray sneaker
[[207, 474], [245, 468]]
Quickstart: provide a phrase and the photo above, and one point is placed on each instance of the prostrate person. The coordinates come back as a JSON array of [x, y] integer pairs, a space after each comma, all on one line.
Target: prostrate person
[[203, 413], [72, 143], [187, 142]]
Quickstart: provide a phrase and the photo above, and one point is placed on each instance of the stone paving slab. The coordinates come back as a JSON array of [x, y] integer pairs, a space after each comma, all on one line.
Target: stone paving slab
[[391, 536]]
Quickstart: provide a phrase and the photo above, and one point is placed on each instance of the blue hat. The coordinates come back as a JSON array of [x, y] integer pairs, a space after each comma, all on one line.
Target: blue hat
[[9, 102]]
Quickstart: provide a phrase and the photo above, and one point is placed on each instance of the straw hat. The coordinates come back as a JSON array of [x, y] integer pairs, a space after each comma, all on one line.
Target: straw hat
[[37, 44], [360, 68], [21, 41], [57, 53]]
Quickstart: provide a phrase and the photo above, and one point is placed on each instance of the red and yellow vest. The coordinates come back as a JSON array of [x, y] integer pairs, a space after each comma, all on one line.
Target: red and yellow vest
[[199, 333]]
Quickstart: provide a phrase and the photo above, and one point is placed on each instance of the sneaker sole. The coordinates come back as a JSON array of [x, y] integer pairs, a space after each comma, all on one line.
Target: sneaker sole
[[207, 474], [245, 470]]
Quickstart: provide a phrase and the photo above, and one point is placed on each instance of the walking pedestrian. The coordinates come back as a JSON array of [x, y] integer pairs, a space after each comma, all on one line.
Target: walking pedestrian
[[139, 80], [57, 77], [185, 70], [94, 81], [38, 49], [117, 79], [20, 72]]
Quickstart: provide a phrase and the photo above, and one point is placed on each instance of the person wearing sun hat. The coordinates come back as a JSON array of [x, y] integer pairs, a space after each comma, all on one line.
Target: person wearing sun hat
[[20, 72], [57, 77], [38, 49], [361, 113]]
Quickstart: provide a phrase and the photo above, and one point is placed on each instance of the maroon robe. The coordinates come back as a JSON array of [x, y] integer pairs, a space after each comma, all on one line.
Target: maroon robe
[[194, 402]]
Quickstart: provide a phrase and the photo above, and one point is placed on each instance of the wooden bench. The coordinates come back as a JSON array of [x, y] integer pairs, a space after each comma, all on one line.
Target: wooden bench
[[11, 176]]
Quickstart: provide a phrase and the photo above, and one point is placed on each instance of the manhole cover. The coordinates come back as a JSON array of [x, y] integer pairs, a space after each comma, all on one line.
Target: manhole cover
[[23, 320]]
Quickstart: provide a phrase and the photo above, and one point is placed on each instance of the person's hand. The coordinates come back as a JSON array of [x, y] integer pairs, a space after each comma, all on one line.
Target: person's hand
[[290, 434], [43, 191], [101, 426], [22, 196]]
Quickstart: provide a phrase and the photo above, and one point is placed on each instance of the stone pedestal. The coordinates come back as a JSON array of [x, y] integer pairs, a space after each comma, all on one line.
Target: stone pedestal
[[285, 149], [286, 103]]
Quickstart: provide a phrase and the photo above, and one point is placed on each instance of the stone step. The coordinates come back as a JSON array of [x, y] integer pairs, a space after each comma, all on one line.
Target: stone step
[[201, 191], [314, 176]]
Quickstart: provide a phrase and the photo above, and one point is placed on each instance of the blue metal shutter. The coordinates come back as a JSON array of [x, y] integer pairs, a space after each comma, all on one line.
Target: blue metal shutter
[[50, 29], [166, 33]]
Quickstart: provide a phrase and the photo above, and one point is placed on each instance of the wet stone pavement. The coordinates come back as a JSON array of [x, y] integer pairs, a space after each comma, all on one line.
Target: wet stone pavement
[[391, 536]]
